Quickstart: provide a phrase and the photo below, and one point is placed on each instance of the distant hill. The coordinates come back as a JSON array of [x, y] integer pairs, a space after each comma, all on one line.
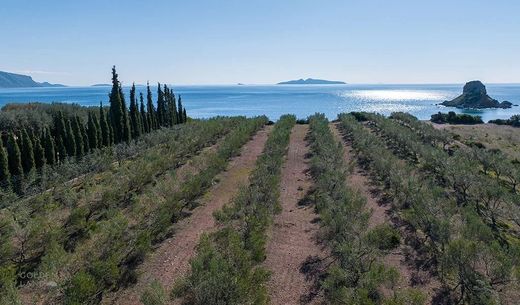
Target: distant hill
[[101, 85], [311, 81], [12, 80]]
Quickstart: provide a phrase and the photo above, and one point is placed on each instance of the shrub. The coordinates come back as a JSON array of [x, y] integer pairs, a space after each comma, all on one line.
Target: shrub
[[453, 118], [154, 295], [81, 289], [384, 237], [513, 121]]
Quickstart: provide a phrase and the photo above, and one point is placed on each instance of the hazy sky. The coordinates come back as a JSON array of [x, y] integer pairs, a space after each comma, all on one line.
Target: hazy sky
[[230, 41]]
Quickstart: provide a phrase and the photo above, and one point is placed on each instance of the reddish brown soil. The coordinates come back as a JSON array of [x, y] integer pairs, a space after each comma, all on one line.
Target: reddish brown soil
[[171, 260], [381, 214], [292, 237]]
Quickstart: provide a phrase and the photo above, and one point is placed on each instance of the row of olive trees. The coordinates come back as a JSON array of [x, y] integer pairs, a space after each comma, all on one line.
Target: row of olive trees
[[128, 247], [493, 162], [357, 275], [89, 239], [226, 267], [473, 263], [482, 179]]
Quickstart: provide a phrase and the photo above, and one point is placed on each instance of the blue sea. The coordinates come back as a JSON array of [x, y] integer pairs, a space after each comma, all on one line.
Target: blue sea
[[275, 100]]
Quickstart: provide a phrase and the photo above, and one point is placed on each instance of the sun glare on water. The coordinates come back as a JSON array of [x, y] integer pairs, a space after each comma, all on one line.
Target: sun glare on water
[[394, 95]]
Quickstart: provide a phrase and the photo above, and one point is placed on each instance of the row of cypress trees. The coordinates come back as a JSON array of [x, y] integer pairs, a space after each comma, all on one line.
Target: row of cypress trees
[[23, 151], [130, 123]]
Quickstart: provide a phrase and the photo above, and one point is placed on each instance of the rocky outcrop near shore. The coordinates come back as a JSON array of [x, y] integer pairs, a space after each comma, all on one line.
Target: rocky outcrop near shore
[[474, 95]]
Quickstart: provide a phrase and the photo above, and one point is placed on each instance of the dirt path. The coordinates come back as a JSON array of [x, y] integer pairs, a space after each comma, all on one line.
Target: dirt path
[[170, 261], [381, 214], [292, 238]]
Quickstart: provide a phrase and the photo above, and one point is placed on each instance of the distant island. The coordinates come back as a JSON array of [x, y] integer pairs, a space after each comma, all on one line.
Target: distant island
[[311, 81], [13, 80], [101, 85], [474, 96]]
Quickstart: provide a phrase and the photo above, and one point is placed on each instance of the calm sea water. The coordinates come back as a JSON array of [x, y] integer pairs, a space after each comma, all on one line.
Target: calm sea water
[[275, 100]]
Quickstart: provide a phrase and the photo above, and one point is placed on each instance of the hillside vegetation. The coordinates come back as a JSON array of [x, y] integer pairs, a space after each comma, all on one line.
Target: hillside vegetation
[[445, 228]]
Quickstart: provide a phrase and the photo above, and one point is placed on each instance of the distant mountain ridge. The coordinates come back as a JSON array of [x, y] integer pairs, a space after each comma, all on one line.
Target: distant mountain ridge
[[13, 80], [312, 81]]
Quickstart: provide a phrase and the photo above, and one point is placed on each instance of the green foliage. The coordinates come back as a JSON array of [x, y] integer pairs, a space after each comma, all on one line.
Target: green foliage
[[453, 207], [27, 152], [15, 164], [5, 175], [92, 131], [104, 126], [180, 113], [36, 116], [152, 113], [406, 297], [225, 270], [357, 276], [223, 273], [39, 153], [458, 265], [117, 112], [135, 123], [8, 292], [145, 118], [70, 138], [78, 136], [161, 107], [453, 118], [154, 295], [99, 231], [384, 237], [49, 146], [513, 121], [81, 290]]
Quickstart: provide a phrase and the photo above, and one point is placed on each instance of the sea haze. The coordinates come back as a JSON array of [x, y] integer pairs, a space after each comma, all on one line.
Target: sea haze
[[275, 100]]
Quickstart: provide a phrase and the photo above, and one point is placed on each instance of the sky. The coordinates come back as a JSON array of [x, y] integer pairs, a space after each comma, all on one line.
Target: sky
[[261, 42]]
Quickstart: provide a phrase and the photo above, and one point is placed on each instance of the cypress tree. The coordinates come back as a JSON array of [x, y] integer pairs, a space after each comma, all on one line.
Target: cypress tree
[[49, 147], [78, 137], [99, 136], [127, 133], [116, 109], [184, 116], [180, 111], [110, 130], [175, 116], [70, 140], [5, 176], [64, 136], [62, 150], [134, 114], [60, 134], [172, 108], [14, 156], [152, 117], [144, 116], [84, 135], [92, 131], [26, 150], [103, 124], [160, 106], [166, 94], [39, 153]]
